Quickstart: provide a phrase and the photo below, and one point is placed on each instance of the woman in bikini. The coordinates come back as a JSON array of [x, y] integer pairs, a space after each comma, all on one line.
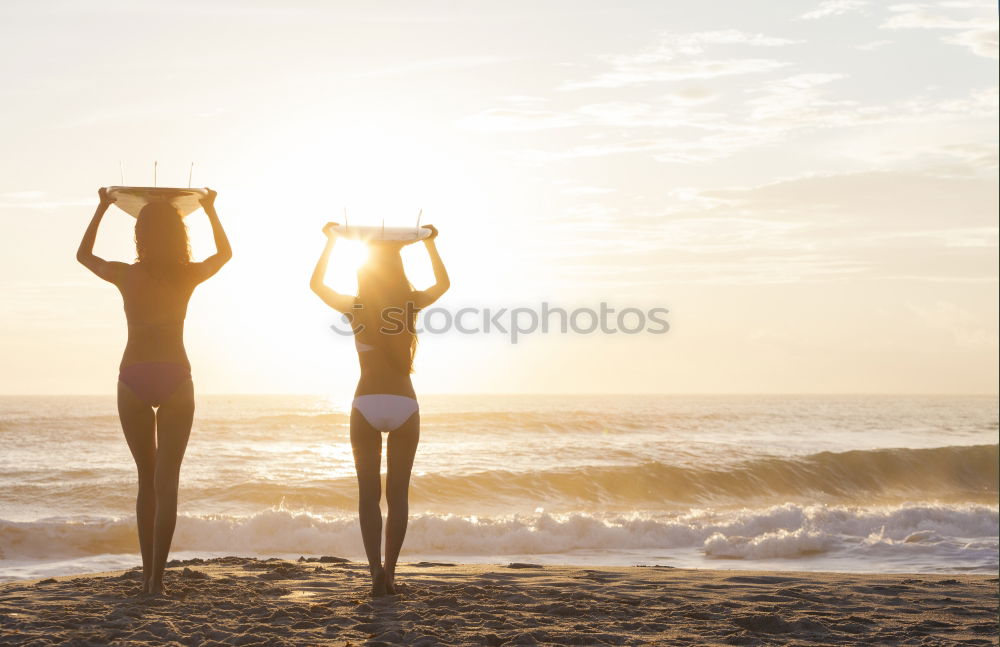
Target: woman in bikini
[[383, 317], [155, 394]]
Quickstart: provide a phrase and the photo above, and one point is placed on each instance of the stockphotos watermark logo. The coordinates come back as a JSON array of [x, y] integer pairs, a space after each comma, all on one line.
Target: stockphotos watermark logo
[[517, 322]]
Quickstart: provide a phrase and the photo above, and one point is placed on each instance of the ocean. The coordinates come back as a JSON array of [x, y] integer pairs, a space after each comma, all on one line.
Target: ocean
[[834, 483]]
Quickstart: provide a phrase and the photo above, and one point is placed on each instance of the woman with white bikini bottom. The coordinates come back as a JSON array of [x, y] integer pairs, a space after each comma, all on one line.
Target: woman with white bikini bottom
[[383, 316]]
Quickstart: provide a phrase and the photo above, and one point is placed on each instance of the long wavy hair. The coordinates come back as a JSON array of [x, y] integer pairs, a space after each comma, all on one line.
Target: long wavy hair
[[384, 306], [161, 238]]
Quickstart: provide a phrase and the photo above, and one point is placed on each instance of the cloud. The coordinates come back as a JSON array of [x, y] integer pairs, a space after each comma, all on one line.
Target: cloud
[[762, 102], [635, 114], [873, 45], [513, 120], [611, 114], [690, 95], [916, 16], [436, 65], [586, 190], [694, 43], [981, 42], [968, 330], [982, 237], [680, 57], [746, 270], [524, 100], [799, 102], [829, 8], [872, 203], [629, 74], [822, 228], [984, 155], [796, 99], [15, 200], [22, 195], [771, 111], [587, 150], [978, 33]]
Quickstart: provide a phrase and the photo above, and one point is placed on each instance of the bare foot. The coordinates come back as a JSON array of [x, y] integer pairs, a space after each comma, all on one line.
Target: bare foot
[[378, 583], [396, 588], [155, 589]]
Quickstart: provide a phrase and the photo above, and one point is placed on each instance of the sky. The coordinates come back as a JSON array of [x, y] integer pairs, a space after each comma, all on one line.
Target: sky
[[808, 187]]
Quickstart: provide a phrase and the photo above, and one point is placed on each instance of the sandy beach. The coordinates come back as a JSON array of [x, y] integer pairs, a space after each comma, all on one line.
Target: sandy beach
[[324, 601]]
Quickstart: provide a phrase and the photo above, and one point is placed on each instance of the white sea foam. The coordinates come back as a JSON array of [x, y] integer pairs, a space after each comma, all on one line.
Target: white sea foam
[[965, 532]]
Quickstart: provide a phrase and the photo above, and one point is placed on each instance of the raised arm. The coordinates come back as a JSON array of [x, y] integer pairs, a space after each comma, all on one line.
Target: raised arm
[[223, 251], [110, 271], [340, 302], [424, 298]]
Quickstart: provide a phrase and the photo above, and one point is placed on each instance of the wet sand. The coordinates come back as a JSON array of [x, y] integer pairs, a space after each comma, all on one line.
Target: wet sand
[[244, 601]]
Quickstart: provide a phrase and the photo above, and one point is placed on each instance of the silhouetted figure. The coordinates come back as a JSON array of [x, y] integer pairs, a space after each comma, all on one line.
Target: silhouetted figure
[[155, 393], [383, 316]]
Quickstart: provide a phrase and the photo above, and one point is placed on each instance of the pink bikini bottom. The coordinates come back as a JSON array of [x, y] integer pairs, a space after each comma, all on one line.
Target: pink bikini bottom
[[154, 382]]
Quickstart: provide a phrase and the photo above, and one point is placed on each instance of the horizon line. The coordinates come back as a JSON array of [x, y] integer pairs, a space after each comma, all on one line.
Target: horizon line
[[994, 394]]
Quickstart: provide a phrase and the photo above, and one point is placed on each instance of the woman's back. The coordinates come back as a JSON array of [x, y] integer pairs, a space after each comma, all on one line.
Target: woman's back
[[384, 345], [155, 301]]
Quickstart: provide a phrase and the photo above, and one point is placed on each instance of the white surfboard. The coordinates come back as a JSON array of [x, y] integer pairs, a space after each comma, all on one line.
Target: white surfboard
[[131, 199], [376, 233]]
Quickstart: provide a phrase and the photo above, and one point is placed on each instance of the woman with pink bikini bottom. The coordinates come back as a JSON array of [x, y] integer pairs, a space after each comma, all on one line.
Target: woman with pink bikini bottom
[[155, 393]]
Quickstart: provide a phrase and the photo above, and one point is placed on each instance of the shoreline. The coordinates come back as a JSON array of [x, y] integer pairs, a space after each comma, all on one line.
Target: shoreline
[[325, 601]]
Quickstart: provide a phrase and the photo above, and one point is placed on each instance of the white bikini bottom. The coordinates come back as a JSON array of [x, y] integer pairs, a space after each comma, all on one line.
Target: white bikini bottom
[[386, 412]]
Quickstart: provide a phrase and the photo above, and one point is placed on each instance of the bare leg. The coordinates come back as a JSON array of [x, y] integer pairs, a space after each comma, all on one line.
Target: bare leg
[[173, 427], [367, 444], [139, 425], [400, 450]]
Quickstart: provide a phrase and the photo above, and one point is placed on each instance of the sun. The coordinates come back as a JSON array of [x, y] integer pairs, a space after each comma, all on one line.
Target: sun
[[347, 257]]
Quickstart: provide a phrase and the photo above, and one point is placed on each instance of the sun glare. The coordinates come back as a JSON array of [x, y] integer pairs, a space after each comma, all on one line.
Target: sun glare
[[347, 257]]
